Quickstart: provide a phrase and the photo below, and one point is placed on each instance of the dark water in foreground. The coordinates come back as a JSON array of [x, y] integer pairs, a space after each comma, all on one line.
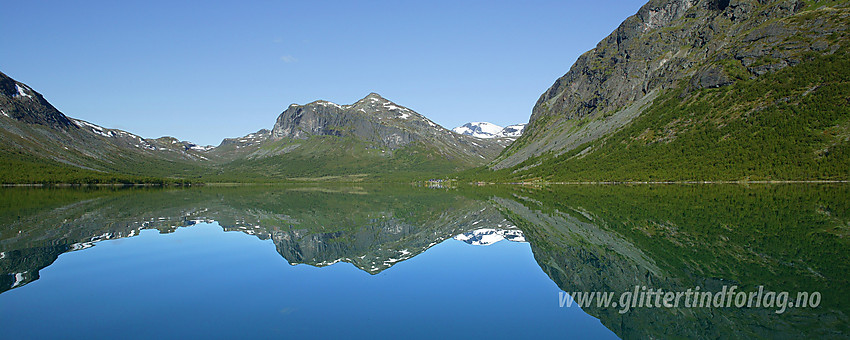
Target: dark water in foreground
[[406, 262]]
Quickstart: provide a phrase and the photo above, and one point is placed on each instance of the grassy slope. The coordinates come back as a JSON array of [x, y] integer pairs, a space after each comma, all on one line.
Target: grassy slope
[[320, 158], [18, 168], [34, 160], [790, 125], [337, 158]]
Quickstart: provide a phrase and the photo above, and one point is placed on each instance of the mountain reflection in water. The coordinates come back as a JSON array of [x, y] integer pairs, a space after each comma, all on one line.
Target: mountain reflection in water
[[584, 238]]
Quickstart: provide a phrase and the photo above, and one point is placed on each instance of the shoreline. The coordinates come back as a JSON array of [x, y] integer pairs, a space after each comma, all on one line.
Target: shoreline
[[476, 183], [671, 182]]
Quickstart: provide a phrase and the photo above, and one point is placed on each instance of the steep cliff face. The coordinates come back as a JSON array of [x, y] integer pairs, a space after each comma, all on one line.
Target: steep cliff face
[[667, 45]]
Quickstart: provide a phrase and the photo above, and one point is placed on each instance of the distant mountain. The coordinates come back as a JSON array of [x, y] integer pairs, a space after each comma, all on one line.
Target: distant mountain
[[512, 131], [699, 90], [371, 137], [479, 129], [319, 140], [376, 120], [490, 130]]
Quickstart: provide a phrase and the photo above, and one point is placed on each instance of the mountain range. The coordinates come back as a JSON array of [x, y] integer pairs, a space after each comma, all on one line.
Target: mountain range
[[684, 90], [372, 137]]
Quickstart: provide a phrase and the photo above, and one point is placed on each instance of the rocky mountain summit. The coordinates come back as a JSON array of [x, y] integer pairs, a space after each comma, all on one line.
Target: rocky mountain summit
[[372, 128], [374, 119]]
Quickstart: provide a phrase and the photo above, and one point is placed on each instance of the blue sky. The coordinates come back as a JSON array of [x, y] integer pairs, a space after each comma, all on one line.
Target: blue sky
[[205, 71]]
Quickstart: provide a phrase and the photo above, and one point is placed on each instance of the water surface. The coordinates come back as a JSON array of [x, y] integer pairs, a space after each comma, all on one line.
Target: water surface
[[400, 261]]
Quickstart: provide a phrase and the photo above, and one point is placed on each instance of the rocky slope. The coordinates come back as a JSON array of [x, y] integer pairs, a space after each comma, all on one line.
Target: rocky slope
[[689, 47]]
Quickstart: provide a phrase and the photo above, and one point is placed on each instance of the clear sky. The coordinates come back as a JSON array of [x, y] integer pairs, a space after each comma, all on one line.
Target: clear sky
[[203, 71]]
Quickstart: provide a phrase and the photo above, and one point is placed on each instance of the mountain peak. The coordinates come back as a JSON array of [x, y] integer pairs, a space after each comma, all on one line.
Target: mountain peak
[[373, 98], [22, 103]]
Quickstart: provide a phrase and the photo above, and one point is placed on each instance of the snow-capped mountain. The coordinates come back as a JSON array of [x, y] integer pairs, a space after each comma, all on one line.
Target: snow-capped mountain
[[512, 131], [386, 127], [373, 130], [488, 236], [479, 129], [489, 130]]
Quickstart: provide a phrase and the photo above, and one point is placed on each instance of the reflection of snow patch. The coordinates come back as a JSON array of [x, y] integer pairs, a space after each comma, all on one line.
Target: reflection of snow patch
[[2, 255], [488, 236], [19, 278], [81, 246], [91, 242], [327, 263]]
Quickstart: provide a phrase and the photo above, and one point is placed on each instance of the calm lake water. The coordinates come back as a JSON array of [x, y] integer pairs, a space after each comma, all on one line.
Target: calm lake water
[[408, 262]]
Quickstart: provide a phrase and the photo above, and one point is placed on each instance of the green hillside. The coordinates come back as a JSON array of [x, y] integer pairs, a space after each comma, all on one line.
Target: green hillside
[[758, 99], [332, 158], [790, 125]]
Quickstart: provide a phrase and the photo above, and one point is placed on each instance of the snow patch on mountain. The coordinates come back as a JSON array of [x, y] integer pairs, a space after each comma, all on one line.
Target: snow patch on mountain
[[94, 128], [325, 103], [22, 91], [202, 148]]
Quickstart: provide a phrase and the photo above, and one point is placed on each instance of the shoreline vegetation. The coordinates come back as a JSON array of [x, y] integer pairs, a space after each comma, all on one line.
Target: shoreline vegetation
[[443, 182]]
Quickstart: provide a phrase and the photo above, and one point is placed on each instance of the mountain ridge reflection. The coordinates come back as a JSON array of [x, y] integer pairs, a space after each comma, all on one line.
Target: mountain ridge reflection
[[585, 238]]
